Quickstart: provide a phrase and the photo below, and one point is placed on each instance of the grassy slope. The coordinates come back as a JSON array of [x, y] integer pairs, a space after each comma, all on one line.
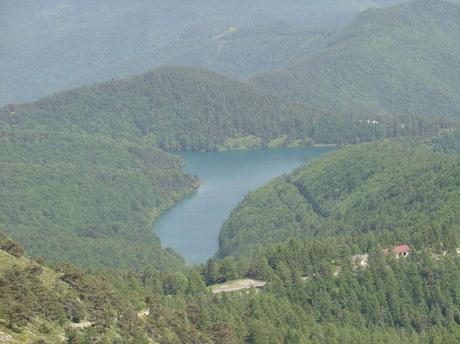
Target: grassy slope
[[358, 189], [400, 60]]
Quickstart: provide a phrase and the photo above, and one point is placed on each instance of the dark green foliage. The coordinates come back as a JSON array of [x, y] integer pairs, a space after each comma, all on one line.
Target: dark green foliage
[[88, 200], [358, 189], [413, 300], [179, 108], [400, 60]]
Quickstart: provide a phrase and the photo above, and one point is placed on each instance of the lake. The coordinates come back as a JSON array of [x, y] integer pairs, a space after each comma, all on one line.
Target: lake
[[192, 226]]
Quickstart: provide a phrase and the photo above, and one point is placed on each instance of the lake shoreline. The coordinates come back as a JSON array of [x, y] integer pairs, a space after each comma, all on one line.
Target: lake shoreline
[[191, 227]]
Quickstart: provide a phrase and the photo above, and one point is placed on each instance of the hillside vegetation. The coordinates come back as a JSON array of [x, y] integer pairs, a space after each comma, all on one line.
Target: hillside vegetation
[[358, 189], [40, 305], [88, 200], [400, 60], [313, 296], [181, 108]]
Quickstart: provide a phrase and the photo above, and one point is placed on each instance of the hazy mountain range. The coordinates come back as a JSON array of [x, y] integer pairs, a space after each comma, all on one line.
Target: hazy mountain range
[[47, 46]]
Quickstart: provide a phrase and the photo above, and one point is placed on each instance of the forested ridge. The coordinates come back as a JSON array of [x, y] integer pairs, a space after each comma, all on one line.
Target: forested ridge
[[183, 108], [398, 60], [358, 189]]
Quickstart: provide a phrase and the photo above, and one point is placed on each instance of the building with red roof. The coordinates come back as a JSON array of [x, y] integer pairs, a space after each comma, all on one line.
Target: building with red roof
[[401, 251]]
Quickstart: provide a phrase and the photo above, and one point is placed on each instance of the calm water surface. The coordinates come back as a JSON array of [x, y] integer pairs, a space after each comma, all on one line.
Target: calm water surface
[[192, 226]]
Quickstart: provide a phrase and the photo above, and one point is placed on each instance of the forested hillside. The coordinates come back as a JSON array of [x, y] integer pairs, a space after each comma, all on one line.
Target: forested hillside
[[71, 42], [87, 199], [181, 108], [314, 296], [400, 60], [358, 189]]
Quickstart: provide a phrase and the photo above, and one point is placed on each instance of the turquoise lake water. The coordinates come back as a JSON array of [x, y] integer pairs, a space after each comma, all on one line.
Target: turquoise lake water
[[192, 226]]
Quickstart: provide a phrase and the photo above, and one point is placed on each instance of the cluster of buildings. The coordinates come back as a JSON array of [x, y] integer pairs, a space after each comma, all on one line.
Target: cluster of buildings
[[358, 261], [400, 251]]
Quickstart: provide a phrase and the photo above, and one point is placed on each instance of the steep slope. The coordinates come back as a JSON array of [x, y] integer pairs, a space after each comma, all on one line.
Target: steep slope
[[43, 305], [400, 60], [88, 200], [358, 189], [52, 45]]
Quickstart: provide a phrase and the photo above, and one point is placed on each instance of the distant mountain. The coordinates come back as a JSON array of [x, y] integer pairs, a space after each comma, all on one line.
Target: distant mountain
[[88, 200], [400, 60], [357, 190], [48, 46], [242, 52]]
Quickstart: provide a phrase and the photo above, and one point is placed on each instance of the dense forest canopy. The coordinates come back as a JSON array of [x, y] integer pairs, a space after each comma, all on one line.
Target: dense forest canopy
[[399, 60], [358, 189], [88, 200], [184, 108]]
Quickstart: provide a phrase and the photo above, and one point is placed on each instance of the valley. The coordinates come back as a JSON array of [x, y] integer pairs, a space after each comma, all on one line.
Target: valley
[[230, 172]]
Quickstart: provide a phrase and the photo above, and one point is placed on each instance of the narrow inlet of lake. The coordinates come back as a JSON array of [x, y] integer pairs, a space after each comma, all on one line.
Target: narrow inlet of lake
[[192, 226]]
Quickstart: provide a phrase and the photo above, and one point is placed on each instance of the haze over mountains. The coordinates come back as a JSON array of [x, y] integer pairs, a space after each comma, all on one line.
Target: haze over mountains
[[400, 60], [47, 46]]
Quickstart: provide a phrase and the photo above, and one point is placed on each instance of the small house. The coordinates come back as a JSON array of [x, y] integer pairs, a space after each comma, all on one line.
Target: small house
[[401, 251]]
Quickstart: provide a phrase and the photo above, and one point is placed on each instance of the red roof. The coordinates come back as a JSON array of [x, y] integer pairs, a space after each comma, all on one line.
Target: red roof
[[397, 249]]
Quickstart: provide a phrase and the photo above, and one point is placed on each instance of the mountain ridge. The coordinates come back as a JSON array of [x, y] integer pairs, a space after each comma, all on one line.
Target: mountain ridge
[[397, 60]]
